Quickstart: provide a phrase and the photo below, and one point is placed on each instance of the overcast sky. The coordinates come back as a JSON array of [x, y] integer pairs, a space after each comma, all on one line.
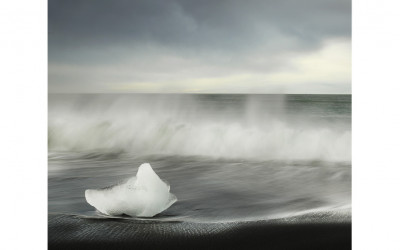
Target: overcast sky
[[197, 46]]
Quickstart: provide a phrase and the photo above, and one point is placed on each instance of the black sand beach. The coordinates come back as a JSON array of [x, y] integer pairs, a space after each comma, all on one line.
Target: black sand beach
[[236, 163], [321, 231]]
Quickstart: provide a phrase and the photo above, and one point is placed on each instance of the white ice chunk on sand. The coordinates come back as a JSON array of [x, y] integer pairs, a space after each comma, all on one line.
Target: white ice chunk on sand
[[143, 195]]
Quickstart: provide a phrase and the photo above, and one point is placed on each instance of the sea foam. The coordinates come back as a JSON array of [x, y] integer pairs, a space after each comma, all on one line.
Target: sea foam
[[246, 127], [143, 195]]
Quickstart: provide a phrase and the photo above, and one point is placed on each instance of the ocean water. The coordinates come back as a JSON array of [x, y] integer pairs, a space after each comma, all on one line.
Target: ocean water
[[226, 157]]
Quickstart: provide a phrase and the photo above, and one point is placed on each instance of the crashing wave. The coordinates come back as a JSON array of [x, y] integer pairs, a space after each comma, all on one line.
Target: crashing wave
[[244, 128], [143, 195]]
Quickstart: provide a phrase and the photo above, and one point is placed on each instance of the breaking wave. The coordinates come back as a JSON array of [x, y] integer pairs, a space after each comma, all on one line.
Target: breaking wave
[[229, 128]]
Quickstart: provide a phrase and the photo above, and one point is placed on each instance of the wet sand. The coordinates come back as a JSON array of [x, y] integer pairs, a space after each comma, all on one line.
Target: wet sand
[[313, 231]]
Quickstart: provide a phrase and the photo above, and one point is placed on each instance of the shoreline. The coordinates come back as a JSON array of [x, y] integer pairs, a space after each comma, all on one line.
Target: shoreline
[[311, 231]]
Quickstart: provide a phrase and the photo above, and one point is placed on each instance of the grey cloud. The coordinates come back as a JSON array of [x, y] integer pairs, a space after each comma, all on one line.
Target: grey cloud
[[196, 25], [254, 35]]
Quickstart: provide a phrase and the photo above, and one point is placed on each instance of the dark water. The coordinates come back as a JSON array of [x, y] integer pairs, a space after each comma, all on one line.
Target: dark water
[[226, 157]]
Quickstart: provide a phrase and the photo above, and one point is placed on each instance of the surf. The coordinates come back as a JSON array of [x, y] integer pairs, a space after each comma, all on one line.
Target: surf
[[220, 126]]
